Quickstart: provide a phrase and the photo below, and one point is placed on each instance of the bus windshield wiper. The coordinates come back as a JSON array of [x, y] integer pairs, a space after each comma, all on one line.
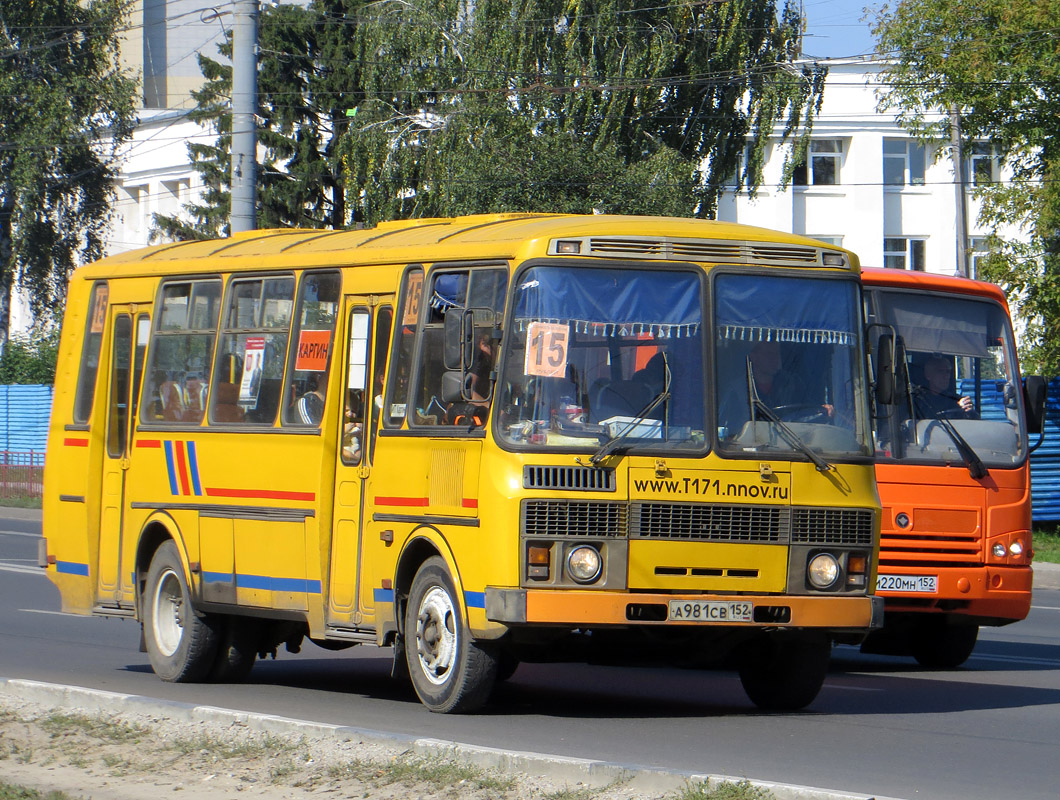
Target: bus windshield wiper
[[971, 459], [786, 433], [611, 444]]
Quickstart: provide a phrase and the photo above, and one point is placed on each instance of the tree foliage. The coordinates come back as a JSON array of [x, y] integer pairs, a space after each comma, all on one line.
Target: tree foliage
[[413, 108], [30, 357], [65, 108], [998, 63]]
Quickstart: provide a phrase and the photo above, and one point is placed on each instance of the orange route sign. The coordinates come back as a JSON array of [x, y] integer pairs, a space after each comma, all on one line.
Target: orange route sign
[[313, 349]]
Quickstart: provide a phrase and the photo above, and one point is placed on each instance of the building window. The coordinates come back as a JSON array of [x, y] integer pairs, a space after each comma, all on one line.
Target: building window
[[903, 163], [903, 253], [835, 241], [982, 165], [822, 165], [980, 253]]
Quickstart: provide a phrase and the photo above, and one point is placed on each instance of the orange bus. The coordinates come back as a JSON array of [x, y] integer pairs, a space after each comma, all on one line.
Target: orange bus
[[952, 463]]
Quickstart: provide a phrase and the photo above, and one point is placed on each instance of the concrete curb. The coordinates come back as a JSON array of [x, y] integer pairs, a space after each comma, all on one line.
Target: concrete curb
[[553, 767], [1046, 575]]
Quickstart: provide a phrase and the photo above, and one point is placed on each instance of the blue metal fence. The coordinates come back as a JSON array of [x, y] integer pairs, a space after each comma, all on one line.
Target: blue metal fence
[[24, 414], [1045, 463]]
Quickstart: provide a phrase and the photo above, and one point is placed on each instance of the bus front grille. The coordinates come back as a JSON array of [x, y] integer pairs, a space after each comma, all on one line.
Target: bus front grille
[[847, 526], [712, 523], [570, 479], [549, 518]]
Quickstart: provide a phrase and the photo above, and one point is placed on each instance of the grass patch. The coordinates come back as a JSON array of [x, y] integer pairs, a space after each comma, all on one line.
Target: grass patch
[[725, 791], [99, 727], [1047, 544], [223, 748], [578, 793], [439, 774], [9, 791], [20, 501]]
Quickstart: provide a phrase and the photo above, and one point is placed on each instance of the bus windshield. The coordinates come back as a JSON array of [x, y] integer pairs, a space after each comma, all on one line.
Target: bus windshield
[[787, 367], [605, 356], [959, 397]]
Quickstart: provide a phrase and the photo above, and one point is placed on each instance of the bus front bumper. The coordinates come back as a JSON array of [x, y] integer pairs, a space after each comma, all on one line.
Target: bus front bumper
[[588, 609]]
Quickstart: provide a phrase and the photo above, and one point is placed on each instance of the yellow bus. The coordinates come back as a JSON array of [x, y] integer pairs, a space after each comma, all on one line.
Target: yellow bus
[[481, 441]]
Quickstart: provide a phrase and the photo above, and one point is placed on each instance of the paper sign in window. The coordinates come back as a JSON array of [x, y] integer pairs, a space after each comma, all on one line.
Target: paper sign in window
[[253, 363], [99, 310], [546, 349], [312, 351], [413, 297]]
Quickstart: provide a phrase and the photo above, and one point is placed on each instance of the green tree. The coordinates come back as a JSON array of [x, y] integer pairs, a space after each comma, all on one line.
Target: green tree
[[996, 62], [573, 105], [401, 108], [30, 357], [65, 109]]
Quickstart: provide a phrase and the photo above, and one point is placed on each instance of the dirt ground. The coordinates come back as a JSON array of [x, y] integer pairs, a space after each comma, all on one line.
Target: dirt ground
[[134, 757]]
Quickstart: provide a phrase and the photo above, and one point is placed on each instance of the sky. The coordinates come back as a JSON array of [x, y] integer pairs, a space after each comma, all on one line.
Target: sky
[[834, 28]]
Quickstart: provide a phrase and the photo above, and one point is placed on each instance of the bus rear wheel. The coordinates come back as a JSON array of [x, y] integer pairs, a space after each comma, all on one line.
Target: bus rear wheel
[[785, 672], [181, 645], [941, 643], [450, 672]]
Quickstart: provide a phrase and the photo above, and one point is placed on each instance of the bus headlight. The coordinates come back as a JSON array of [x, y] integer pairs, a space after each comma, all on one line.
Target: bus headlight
[[1016, 548], [584, 563], [823, 570]]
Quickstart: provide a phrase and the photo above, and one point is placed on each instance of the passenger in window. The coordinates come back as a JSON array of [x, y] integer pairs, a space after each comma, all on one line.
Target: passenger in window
[[352, 427], [194, 396], [937, 396], [171, 398], [309, 409]]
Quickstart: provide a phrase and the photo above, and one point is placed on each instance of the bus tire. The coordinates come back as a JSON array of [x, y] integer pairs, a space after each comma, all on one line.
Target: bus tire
[[450, 672], [941, 643], [237, 649], [181, 645], [784, 672]]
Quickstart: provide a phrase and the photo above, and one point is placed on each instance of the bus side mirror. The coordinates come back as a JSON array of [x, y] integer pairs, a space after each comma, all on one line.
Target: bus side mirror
[[455, 386], [459, 338], [1034, 394], [891, 376]]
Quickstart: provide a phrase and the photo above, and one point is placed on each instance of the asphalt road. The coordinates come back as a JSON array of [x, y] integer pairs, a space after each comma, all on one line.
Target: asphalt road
[[880, 726]]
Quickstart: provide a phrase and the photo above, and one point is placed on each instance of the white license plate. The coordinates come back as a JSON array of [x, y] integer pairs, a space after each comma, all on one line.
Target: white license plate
[[924, 584], [711, 611]]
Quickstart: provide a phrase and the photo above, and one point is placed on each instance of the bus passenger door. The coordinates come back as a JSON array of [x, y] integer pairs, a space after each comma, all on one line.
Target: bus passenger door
[[129, 332], [368, 333]]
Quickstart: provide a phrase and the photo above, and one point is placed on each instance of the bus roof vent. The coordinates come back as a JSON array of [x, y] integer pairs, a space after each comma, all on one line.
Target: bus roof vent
[[710, 250], [569, 479]]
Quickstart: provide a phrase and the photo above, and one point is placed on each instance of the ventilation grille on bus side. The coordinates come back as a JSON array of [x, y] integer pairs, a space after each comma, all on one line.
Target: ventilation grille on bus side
[[573, 518], [569, 479], [710, 522], [850, 526]]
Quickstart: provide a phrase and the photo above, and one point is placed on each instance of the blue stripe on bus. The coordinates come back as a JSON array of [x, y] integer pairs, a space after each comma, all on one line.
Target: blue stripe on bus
[[383, 595], [172, 472], [193, 468], [71, 568], [269, 583], [475, 599], [218, 577]]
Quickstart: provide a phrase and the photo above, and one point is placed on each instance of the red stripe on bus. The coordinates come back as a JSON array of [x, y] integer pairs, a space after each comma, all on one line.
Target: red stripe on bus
[[419, 502], [75, 442], [148, 443], [262, 494], [182, 468]]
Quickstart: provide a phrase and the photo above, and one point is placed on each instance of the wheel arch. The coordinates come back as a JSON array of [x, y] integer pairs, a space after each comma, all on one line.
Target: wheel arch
[[158, 529], [424, 543]]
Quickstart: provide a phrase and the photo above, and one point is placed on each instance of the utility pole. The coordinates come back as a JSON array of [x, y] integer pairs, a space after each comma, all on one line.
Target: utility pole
[[962, 195], [244, 114]]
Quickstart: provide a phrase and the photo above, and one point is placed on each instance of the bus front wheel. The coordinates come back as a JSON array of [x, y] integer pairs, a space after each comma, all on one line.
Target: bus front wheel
[[785, 672], [940, 643], [181, 645], [450, 672]]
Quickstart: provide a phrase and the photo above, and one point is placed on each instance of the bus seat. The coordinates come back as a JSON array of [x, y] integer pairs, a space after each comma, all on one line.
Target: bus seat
[[227, 409]]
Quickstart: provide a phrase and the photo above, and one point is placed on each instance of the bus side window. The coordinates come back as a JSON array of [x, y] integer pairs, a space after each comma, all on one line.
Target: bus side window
[[384, 323], [319, 302], [396, 403], [181, 351], [356, 385], [86, 378], [247, 385]]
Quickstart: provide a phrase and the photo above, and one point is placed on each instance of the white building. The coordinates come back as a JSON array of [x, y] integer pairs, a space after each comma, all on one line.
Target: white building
[[867, 185]]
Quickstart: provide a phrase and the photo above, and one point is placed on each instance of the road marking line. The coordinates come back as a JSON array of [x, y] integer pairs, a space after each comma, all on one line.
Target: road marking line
[[1048, 662], [5, 567], [852, 688], [55, 613], [1047, 608], [20, 533]]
